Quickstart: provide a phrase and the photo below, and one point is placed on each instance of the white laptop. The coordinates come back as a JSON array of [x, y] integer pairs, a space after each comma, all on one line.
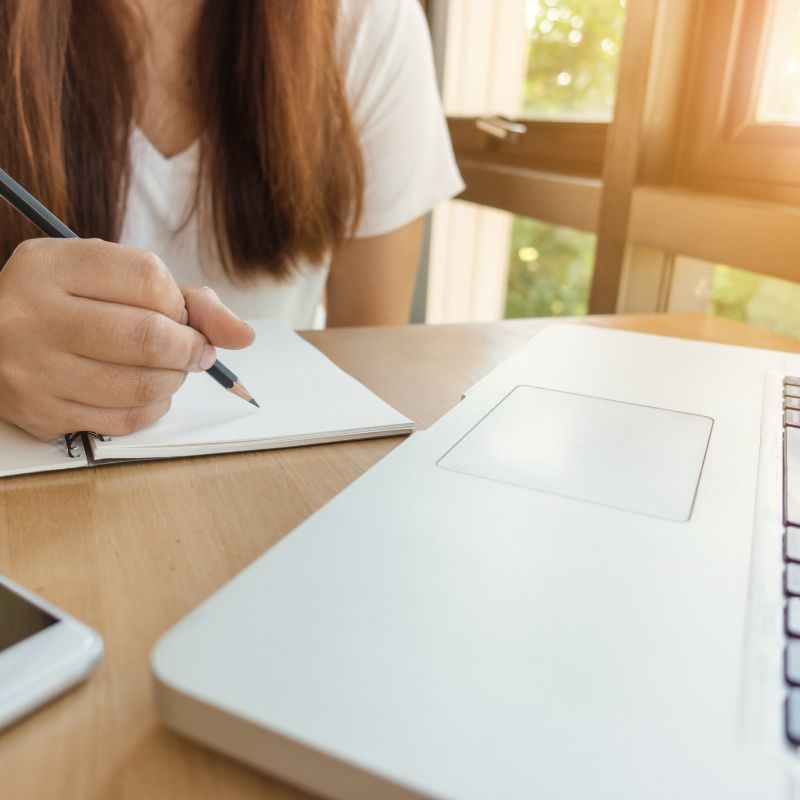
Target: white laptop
[[572, 586]]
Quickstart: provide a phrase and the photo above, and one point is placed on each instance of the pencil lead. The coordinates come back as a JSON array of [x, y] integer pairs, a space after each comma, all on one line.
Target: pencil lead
[[240, 391]]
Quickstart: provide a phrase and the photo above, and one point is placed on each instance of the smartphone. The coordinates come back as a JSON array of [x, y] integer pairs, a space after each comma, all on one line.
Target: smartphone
[[43, 652]]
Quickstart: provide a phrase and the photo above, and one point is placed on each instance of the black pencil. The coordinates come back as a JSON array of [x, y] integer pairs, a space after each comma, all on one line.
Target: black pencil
[[52, 226]]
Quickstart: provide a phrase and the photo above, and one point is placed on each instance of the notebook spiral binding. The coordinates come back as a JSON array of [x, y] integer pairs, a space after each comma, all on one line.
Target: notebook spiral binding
[[71, 438]]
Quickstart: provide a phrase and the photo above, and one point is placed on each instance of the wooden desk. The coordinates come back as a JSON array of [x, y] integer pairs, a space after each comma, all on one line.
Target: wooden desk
[[131, 549]]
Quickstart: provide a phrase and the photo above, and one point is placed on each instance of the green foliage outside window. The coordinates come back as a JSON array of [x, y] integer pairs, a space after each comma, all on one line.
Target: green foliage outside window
[[572, 57], [572, 68], [768, 303], [550, 270], [572, 71]]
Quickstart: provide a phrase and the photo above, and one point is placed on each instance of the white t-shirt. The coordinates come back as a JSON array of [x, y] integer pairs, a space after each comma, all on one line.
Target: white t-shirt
[[391, 86]]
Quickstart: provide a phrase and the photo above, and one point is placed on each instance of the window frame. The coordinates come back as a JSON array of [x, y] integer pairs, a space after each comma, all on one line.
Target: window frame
[[723, 147], [563, 147]]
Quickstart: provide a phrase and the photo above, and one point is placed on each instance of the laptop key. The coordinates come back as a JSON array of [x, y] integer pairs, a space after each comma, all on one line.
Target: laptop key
[[791, 391], [793, 716], [791, 381], [791, 402], [792, 662], [792, 618], [791, 580], [791, 544], [792, 476], [791, 417]]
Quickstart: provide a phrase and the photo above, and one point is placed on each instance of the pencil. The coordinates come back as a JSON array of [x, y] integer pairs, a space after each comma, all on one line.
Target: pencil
[[224, 377], [52, 226]]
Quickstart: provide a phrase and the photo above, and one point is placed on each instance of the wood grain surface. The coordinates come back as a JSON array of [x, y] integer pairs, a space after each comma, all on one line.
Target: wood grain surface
[[131, 549]]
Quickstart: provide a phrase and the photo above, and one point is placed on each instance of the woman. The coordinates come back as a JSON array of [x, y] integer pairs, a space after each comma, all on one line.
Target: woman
[[270, 149]]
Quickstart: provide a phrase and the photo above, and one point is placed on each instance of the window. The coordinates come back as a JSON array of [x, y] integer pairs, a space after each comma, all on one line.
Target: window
[[573, 54], [549, 270], [662, 128], [516, 58], [779, 98], [768, 303], [739, 135]]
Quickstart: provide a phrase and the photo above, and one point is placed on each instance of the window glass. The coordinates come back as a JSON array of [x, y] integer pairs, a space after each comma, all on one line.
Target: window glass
[[573, 54], [779, 100], [549, 271], [758, 300]]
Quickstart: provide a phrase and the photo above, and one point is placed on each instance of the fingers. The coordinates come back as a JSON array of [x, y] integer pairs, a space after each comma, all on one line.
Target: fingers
[[110, 421], [111, 273], [215, 321], [108, 272], [104, 385], [94, 337], [59, 417], [131, 336], [98, 336]]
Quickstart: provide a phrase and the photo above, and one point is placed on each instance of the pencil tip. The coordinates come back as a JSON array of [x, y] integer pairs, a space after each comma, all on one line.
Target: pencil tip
[[240, 391]]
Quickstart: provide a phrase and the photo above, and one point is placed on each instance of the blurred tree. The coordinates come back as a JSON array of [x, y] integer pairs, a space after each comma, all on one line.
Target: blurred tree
[[550, 270], [572, 72], [573, 57], [758, 300], [733, 291]]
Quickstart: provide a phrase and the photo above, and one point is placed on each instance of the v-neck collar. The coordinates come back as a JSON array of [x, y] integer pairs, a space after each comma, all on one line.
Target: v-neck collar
[[164, 162]]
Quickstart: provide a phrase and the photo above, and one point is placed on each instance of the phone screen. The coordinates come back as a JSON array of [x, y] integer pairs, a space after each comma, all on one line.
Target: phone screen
[[20, 619]]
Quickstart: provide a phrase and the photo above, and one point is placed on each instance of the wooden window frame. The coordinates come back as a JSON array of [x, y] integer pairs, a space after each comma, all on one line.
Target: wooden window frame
[[724, 148], [566, 148]]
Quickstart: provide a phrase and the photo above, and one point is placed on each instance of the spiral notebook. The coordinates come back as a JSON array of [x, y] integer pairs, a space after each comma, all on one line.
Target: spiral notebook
[[305, 399]]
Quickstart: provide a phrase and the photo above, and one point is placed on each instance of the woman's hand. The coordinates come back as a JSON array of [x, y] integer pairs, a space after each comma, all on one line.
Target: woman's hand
[[94, 336]]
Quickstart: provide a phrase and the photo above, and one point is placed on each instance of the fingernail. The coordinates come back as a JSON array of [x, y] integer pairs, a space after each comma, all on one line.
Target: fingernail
[[209, 357], [185, 317], [249, 326]]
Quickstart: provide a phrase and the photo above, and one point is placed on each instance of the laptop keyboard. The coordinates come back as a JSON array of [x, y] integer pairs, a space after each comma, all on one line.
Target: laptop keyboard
[[791, 553]]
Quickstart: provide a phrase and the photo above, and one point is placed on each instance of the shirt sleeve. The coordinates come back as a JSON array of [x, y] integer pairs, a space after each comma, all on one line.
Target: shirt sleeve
[[391, 83]]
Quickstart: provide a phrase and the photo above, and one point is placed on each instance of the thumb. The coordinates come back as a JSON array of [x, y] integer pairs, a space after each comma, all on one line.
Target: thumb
[[216, 322]]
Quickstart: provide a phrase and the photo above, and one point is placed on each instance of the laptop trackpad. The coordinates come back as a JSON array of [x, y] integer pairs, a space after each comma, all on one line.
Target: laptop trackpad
[[627, 456]]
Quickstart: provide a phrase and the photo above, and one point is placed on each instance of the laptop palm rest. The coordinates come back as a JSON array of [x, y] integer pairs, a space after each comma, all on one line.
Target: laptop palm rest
[[631, 457]]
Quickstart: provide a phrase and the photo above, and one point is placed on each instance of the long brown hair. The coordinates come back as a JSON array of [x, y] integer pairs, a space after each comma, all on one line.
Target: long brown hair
[[281, 174]]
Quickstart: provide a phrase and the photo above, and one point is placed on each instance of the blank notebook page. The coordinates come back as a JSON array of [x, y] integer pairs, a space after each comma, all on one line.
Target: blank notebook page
[[304, 399]]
